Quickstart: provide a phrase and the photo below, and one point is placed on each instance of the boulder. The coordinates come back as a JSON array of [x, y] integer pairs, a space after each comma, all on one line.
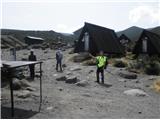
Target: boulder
[[128, 75], [82, 83], [135, 92], [24, 83], [16, 84], [24, 94], [71, 79], [75, 68], [24, 59], [81, 57], [62, 78]]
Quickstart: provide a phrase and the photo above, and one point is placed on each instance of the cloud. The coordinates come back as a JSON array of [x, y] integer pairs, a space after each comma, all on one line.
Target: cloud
[[65, 29], [141, 13], [62, 28]]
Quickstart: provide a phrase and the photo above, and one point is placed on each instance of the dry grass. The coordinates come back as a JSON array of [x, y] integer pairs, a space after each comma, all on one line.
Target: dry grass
[[90, 62], [156, 85]]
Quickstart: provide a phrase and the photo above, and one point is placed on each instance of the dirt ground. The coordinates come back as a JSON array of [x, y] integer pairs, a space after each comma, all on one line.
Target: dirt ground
[[62, 100]]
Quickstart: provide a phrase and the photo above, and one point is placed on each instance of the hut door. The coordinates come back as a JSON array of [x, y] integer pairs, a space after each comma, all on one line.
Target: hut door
[[144, 45], [86, 41]]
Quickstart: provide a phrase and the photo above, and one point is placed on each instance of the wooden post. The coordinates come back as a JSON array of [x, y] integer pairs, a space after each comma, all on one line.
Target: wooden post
[[11, 90], [40, 86]]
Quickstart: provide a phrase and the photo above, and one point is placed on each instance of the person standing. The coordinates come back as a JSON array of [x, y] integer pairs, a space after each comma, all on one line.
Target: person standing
[[59, 57], [32, 57], [102, 62]]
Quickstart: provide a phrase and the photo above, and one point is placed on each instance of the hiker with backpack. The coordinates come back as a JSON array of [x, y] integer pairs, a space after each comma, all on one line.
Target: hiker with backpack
[[102, 63], [59, 57]]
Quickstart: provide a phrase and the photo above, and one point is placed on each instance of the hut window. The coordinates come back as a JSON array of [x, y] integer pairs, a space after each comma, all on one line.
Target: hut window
[[144, 44], [86, 40]]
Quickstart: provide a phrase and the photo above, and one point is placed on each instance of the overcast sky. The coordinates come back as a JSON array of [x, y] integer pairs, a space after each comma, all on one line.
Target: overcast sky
[[69, 15]]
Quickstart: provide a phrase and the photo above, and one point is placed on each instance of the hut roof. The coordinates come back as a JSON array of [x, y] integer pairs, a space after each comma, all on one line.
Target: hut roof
[[104, 38]]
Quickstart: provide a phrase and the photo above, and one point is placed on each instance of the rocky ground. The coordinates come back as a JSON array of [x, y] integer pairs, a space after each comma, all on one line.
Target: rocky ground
[[75, 94]]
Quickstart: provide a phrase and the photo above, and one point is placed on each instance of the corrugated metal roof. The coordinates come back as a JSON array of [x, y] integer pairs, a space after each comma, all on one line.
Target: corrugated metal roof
[[31, 37]]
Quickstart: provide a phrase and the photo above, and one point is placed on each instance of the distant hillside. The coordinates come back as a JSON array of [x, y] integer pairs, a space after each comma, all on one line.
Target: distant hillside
[[134, 32], [78, 32], [156, 30], [47, 35]]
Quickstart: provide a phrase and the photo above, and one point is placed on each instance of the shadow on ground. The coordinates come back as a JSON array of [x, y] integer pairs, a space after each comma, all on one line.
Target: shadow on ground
[[18, 113], [106, 85]]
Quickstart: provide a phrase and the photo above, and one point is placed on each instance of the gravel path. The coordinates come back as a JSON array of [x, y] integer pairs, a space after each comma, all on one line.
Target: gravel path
[[62, 100]]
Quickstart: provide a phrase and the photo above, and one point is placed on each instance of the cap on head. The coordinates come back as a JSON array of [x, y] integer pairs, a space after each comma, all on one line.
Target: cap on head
[[101, 52]]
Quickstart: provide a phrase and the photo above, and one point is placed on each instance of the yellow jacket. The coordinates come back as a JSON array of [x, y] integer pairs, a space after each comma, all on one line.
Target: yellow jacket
[[101, 61]]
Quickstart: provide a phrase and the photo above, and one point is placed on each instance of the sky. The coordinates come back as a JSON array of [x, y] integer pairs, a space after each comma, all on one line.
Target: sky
[[69, 15]]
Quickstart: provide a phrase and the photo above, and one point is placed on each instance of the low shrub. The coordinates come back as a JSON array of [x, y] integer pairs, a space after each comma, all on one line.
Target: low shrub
[[90, 62], [156, 85], [152, 68], [120, 63], [82, 57]]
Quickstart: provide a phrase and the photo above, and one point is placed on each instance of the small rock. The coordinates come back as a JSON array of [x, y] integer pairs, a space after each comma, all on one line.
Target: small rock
[[82, 83], [139, 112], [121, 80], [137, 81], [91, 71], [135, 92], [68, 73], [49, 108], [147, 85], [72, 79], [30, 89], [108, 91], [24, 94], [152, 78], [60, 89], [64, 65], [63, 78], [128, 75], [46, 51], [86, 95], [24, 59], [35, 94], [55, 75]]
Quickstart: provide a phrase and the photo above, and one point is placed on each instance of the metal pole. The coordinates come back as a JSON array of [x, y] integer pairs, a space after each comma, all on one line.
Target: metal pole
[[40, 86], [11, 90]]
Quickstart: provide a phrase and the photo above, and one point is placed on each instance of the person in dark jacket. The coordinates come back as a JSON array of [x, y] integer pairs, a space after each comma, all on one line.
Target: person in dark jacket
[[32, 57], [59, 57]]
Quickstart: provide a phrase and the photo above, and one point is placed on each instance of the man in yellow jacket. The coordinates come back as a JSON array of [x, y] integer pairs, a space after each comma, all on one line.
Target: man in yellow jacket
[[101, 65]]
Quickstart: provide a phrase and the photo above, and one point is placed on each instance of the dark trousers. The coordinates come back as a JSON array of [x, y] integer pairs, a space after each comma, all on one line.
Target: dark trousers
[[100, 70], [32, 72], [59, 63]]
